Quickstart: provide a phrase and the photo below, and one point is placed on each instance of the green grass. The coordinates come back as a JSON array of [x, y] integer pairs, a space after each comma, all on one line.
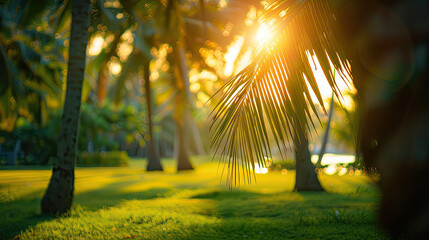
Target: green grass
[[127, 202]]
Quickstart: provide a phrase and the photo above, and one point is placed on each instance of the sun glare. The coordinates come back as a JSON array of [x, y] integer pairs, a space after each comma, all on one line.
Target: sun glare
[[263, 33], [232, 54], [324, 87], [95, 46], [115, 68], [260, 170]]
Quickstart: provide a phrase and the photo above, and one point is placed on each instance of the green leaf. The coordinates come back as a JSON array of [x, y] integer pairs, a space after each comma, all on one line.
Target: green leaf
[[63, 21]]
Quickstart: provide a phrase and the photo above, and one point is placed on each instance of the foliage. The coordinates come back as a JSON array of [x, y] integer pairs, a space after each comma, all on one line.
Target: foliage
[[39, 144], [103, 126], [126, 202], [288, 164], [112, 158]]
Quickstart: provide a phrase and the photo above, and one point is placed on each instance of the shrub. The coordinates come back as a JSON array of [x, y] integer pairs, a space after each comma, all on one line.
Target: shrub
[[282, 164], [38, 144], [113, 158]]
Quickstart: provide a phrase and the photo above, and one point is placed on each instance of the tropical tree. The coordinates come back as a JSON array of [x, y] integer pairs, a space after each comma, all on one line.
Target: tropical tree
[[154, 161], [137, 18], [385, 42], [189, 24], [171, 24], [271, 96], [59, 195]]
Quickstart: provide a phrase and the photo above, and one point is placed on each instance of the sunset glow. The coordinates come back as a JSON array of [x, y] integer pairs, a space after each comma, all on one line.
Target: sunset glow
[[95, 46], [263, 34], [344, 85]]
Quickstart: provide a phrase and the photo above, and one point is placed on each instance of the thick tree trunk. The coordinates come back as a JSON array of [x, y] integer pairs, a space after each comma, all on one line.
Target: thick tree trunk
[[326, 136], [181, 115], [154, 162], [59, 195], [306, 177]]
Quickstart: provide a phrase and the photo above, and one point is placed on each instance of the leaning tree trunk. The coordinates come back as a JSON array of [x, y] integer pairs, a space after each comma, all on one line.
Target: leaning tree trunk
[[326, 136], [306, 177], [182, 115], [154, 162], [59, 195]]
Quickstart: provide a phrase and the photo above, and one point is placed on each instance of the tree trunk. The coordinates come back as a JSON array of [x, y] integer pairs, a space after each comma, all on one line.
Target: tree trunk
[[326, 136], [154, 162], [59, 195], [181, 115], [12, 159], [183, 162], [196, 139], [306, 177]]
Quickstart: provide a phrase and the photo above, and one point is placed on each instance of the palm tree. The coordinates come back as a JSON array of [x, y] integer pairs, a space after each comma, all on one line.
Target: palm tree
[[271, 96], [385, 50], [135, 13], [306, 178], [182, 113], [154, 161], [59, 195]]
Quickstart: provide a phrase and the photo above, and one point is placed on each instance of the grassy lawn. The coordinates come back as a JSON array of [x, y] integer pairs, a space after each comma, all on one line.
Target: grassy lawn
[[127, 202]]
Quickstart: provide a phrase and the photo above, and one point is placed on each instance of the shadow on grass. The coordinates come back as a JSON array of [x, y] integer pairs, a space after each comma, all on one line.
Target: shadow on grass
[[18, 215], [113, 194], [284, 205], [229, 214]]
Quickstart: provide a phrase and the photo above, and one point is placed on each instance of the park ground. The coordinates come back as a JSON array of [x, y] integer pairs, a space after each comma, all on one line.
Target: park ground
[[129, 203]]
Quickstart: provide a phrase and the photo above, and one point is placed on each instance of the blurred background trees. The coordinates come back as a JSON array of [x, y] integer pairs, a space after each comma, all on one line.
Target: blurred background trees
[[152, 71]]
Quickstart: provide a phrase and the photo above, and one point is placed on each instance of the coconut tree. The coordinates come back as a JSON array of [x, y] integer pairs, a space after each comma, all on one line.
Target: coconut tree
[[187, 32], [182, 113], [154, 161], [59, 195], [271, 96]]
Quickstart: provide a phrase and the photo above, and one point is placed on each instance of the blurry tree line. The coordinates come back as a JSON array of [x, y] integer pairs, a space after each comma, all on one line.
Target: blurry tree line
[[143, 70], [137, 93]]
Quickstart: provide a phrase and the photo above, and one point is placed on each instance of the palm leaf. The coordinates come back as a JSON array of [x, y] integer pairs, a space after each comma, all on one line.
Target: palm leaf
[[63, 17], [271, 96]]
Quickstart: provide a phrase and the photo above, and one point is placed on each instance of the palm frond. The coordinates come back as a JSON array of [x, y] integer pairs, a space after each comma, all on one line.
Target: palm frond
[[63, 17], [271, 96]]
